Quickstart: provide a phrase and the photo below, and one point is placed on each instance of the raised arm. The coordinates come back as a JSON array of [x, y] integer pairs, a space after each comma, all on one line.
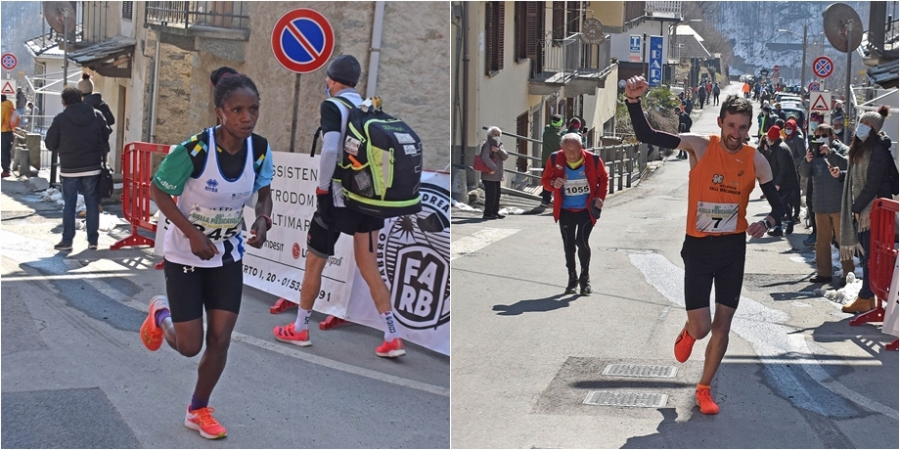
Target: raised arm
[[635, 87]]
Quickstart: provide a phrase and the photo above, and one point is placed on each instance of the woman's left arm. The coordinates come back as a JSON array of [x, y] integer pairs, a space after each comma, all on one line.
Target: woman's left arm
[[878, 161]]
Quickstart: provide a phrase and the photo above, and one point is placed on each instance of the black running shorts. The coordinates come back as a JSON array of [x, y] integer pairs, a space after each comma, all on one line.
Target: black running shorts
[[321, 240], [718, 259], [190, 289]]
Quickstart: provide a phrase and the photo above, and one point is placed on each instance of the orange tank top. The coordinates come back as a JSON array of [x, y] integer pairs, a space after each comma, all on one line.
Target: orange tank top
[[719, 188]]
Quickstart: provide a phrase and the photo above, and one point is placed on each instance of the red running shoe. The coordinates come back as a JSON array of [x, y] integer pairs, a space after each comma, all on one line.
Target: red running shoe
[[683, 346], [705, 401], [289, 335], [391, 349], [202, 420], [151, 333]]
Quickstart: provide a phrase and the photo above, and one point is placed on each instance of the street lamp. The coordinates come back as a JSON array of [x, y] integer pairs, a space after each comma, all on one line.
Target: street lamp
[[802, 64]]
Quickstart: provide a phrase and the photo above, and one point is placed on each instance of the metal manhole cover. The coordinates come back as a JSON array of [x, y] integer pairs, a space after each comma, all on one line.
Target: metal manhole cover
[[640, 371], [630, 399]]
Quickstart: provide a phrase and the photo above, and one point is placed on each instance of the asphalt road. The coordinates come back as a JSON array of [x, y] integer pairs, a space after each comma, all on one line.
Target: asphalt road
[[525, 356], [75, 374]]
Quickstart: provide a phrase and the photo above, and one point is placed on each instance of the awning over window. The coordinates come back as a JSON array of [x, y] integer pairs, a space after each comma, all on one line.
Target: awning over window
[[884, 75], [110, 58]]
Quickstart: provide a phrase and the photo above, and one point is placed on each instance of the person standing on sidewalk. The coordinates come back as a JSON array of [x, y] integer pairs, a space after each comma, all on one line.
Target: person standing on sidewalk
[[492, 154], [784, 175], [580, 182], [213, 173], [79, 134], [723, 173], [871, 174], [332, 218], [826, 198], [684, 126], [550, 144], [796, 141], [7, 133]]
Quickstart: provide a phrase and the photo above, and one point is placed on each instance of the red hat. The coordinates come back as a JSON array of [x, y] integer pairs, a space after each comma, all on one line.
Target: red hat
[[774, 133], [791, 123]]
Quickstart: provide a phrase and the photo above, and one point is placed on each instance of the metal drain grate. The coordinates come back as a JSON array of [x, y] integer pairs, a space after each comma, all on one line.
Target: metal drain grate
[[639, 371], [631, 399]]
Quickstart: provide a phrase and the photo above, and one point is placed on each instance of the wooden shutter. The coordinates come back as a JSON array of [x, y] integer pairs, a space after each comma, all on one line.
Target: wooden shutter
[[127, 10], [574, 22], [533, 28], [559, 20], [501, 25], [489, 38], [520, 24], [521, 144]]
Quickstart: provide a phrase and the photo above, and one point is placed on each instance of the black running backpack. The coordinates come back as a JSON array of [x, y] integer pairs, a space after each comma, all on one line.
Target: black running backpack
[[380, 165]]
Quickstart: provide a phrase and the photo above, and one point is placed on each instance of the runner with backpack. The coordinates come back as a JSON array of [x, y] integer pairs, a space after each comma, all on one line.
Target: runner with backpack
[[369, 170]]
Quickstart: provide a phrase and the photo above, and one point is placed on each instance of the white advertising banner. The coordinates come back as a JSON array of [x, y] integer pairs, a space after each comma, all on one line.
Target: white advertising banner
[[414, 256], [278, 267]]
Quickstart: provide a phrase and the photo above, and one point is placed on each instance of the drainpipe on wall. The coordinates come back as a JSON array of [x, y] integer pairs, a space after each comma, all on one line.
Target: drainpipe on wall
[[375, 50], [153, 94], [464, 173]]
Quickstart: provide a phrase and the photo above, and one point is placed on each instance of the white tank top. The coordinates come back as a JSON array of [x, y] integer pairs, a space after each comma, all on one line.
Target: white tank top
[[215, 205]]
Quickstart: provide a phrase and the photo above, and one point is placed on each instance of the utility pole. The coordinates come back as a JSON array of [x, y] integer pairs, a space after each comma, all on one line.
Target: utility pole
[[803, 82]]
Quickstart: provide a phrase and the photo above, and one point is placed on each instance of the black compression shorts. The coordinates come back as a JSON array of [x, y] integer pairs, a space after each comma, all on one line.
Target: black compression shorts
[[718, 259], [190, 289], [321, 240]]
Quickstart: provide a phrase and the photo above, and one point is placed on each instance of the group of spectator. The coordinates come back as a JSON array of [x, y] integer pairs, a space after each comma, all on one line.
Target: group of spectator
[[842, 181]]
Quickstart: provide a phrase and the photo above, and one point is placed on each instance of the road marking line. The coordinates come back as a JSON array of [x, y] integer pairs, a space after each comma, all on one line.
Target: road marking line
[[762, 327], [94, 281], [478, 240]]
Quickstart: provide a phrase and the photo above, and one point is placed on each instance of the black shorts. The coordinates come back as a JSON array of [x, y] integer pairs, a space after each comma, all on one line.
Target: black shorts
[[320, 240], [716, 258], [190, 289]]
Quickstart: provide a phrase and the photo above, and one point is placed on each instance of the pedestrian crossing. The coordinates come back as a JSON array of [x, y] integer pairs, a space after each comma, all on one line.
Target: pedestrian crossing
[[478, 240]]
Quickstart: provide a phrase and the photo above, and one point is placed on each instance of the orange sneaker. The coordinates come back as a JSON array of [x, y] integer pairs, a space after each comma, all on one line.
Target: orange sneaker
[[287, 334], [202, 420], [684, 343], [151, 333], [391, 349], [705, 401]]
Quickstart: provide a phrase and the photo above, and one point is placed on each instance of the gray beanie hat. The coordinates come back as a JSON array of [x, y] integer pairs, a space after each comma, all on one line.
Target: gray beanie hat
[[345, 70], [86, 86], [875, 118]]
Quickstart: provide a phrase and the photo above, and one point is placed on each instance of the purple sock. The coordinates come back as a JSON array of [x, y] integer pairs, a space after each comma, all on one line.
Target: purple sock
[[161, 315], [196, 403]]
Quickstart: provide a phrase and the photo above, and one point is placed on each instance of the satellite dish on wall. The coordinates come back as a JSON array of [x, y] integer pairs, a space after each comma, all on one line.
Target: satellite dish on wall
[[836, 17], [60, 16]]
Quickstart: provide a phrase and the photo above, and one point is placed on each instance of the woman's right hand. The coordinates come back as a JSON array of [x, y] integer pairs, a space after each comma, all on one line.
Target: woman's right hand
[[835, 171], [202, 246]]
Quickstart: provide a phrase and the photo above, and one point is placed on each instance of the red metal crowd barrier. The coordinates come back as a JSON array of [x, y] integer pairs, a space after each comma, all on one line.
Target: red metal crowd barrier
[[137, 174], [882, 256]]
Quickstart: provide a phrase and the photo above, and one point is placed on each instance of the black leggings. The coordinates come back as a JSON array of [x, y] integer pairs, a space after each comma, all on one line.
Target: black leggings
[[575, 228]]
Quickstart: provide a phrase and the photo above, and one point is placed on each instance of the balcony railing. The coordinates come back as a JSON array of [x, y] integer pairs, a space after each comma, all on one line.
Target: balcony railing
[[564, 58], [663, 10], [232, 15]]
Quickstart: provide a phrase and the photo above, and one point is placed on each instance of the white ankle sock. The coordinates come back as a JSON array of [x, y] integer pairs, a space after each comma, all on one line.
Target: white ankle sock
[[302, 322], [390, 330]]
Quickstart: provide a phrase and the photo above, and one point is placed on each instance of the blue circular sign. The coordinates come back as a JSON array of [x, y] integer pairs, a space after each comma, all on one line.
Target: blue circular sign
[[302, 40]]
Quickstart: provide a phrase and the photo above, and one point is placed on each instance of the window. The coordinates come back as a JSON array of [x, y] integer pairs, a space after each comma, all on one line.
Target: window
[[127, 9], [529, 18], [574, 19], [493, 37], [521, 144]]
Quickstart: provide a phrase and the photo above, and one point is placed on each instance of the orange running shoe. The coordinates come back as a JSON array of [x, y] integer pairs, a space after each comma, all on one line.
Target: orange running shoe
[[391, 349], [151, 333], [289, 335], [705, 401], [683, 346], [202, 420]]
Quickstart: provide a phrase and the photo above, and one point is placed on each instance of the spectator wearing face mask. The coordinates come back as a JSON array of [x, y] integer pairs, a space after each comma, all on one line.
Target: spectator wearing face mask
[[837, 125], [826, 199], [795, 140], [784, 176]]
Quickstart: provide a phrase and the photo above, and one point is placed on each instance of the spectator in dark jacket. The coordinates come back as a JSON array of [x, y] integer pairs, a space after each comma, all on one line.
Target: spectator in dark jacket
[[550, 144], [783, 174], [86, 86], [826, 198], [78, 134], [797, 143], [868, 176], [684, 126], [493, 154]]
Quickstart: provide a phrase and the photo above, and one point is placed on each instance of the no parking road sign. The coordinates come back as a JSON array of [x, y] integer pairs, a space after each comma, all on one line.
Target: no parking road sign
[[823, 66], [302, 40], [814, 87], [9, 61]]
